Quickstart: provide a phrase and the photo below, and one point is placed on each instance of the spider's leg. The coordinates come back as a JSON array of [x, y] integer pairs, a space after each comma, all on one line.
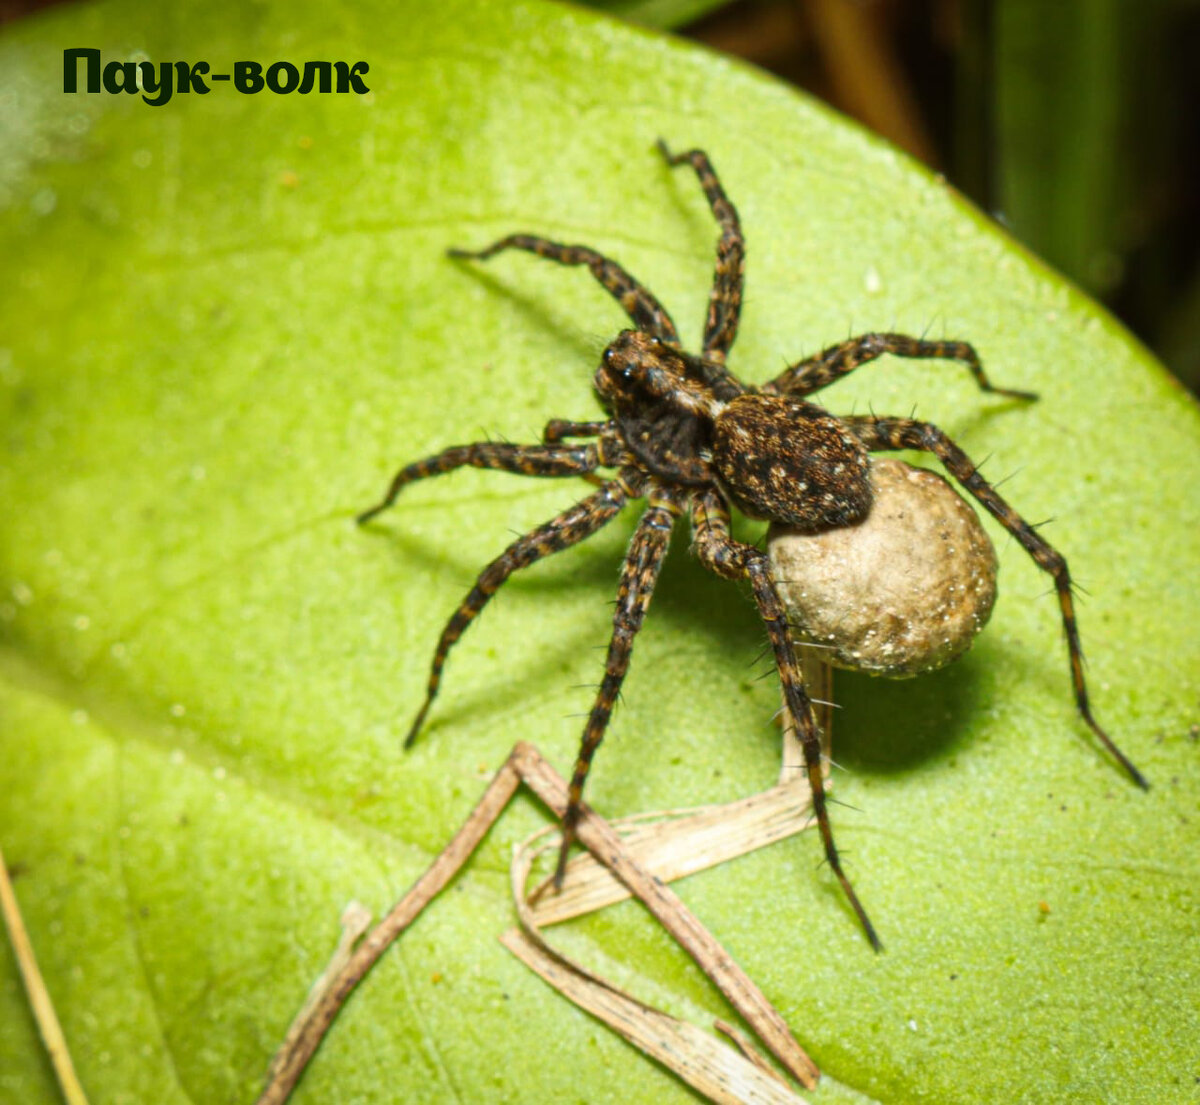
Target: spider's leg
[[527, 460], [558, 429], [567, 529], [881, 434], [725, 299], [721, 554], [639, 574], [820, 370], [612, 446], [637, 301]]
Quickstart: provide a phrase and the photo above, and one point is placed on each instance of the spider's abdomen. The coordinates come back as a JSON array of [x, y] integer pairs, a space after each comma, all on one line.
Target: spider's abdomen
[[791, 462]]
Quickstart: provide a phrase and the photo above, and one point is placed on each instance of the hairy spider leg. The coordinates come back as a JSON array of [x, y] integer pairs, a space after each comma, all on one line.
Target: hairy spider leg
[[883, 434], [526, 460], [639, 573], [820, 370], [721, 554], [558, 429], [561, 532], [725, 299], [637, 301]]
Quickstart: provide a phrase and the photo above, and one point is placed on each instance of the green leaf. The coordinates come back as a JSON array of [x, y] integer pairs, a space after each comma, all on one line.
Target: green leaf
[[227, 320]]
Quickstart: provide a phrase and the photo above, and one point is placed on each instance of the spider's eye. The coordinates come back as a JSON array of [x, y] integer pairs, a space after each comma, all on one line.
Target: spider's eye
[[608, 356], [656, 342]]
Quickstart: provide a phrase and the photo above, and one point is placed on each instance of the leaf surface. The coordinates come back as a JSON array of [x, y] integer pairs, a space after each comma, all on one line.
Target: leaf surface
[[227, 320]]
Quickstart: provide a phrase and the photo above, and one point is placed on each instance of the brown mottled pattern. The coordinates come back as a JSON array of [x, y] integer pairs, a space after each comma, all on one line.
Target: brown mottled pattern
[[791, 462], [558, 429], [819, 371], [685, 432]]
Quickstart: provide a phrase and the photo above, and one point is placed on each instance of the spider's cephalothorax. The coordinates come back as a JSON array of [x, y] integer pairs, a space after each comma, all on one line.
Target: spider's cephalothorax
[[687, 436]]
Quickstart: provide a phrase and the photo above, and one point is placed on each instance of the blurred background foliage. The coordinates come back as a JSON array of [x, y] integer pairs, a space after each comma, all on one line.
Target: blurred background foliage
[[1075, 123]]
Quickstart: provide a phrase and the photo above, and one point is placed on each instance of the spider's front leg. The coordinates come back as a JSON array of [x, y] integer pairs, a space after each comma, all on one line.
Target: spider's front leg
[[821, 370], [636, 300], [880, 434], [639, 573], [721, 554], [725, 299]]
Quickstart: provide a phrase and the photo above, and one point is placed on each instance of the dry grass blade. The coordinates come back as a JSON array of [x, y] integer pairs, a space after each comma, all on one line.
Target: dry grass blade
[[700, 1059], [681, 845], [603, 841], [741, 1077], [39, 997], [355, 920], [722, 1069], [328, 996]]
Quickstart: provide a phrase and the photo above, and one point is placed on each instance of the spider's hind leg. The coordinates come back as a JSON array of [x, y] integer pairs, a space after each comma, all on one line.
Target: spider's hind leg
[[636, 300], [567, 529], [725, 299], [721, 554], [881, 434]]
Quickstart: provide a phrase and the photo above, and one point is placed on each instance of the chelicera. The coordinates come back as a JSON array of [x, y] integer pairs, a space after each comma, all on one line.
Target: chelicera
[[683, 434]]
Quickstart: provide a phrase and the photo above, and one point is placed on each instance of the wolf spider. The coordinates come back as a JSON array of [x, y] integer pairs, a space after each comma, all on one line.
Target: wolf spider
[[685, 434]]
